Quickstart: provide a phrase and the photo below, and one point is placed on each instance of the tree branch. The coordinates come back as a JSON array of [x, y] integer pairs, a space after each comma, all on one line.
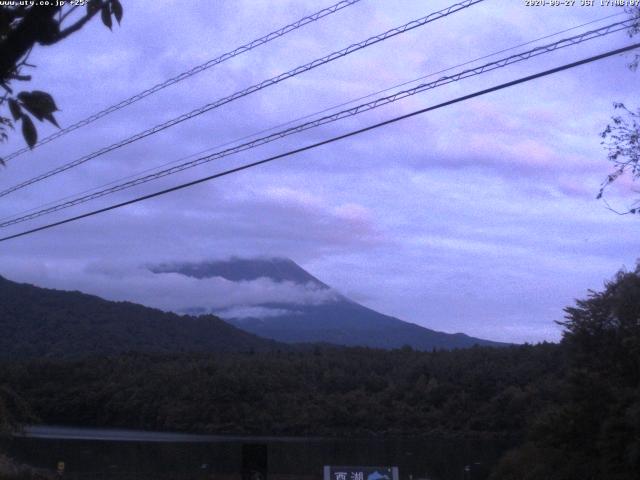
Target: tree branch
[[29, 31], [79, 24], [617, 212], [66, 14]]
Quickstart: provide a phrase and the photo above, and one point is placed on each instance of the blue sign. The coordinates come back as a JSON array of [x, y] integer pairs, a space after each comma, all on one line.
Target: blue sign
[[360, 473]]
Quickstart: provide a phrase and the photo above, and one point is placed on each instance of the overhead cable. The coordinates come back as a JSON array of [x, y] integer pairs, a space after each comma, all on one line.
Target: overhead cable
[[252, 89], [327, 141], [189, 73], [577, 39], [298, 119], [310, 115]]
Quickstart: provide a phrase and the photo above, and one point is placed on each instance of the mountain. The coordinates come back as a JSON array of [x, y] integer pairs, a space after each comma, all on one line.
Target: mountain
[[244, 269], [38, 322], [336, 320]]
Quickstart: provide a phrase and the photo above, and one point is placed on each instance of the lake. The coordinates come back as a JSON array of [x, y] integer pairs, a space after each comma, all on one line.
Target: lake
[[127, 454]]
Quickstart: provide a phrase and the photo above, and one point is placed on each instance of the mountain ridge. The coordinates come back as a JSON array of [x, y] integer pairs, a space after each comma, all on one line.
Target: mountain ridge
[[37, 322], [340, 321]]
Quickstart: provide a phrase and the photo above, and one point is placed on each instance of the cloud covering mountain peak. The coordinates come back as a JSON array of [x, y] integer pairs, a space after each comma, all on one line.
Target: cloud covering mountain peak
[[235, 269]]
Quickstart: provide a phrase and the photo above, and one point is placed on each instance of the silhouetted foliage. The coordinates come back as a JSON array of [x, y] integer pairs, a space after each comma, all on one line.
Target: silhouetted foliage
[[622, 136], [23, 26], [622, 139], [593, 431]]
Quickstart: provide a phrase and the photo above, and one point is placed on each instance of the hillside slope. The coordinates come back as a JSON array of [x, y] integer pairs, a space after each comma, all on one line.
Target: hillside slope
[[344, 322], [37, 322]]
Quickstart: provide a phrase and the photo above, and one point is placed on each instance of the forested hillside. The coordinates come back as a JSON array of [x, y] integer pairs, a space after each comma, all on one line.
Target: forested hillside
[[40, 322], [575, 406]]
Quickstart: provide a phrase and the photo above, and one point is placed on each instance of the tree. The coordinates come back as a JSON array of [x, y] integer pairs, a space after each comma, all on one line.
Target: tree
[[593, 430], [602, 334], [22, 27], [622, 136], [603, 331]]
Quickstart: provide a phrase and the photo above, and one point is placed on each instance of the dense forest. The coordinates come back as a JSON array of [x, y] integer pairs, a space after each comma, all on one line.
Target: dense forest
[[573, 408], [327, 391]]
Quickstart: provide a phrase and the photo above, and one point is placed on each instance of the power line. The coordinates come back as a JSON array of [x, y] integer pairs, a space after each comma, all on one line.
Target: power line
[[328, 141], [189, 73], [585, 36], [311, 115], [254, 88]]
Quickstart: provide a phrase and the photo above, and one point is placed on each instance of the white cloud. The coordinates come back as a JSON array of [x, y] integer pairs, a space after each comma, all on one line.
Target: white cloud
[[242, 312], [120, 281], [488, 197]]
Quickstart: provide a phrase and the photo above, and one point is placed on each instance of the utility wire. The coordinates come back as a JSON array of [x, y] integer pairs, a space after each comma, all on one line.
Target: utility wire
[[298, 119], [254, 88], [311, 115], [609, 29], [189, 73], [328, 141]]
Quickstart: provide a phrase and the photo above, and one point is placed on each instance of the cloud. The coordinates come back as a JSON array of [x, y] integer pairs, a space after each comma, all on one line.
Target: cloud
[[172, 291], [243, 312], [453, 219]]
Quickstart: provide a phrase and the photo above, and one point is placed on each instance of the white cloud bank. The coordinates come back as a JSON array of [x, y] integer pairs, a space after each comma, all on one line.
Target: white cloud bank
[[173, 291]]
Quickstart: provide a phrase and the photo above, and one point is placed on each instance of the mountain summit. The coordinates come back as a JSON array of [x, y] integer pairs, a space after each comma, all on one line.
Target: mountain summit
[[244, 269], [335, 319]]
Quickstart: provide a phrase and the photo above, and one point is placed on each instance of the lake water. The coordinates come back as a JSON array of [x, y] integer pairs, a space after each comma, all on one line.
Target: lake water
[[125, 454]]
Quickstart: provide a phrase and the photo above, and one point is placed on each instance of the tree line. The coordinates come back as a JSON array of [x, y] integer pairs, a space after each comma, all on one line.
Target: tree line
[[322, 391], [572, 409]]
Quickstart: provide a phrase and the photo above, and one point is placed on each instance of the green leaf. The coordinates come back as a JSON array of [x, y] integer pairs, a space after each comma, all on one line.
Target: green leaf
[[29, 131], [14, 108], [105, 14], [116, 8]]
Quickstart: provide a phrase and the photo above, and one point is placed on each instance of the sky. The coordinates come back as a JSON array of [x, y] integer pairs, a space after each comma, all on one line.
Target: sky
[[480, 217]]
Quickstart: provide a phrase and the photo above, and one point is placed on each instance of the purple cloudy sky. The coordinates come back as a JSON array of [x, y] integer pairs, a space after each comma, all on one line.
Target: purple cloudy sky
[[480, 217]]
